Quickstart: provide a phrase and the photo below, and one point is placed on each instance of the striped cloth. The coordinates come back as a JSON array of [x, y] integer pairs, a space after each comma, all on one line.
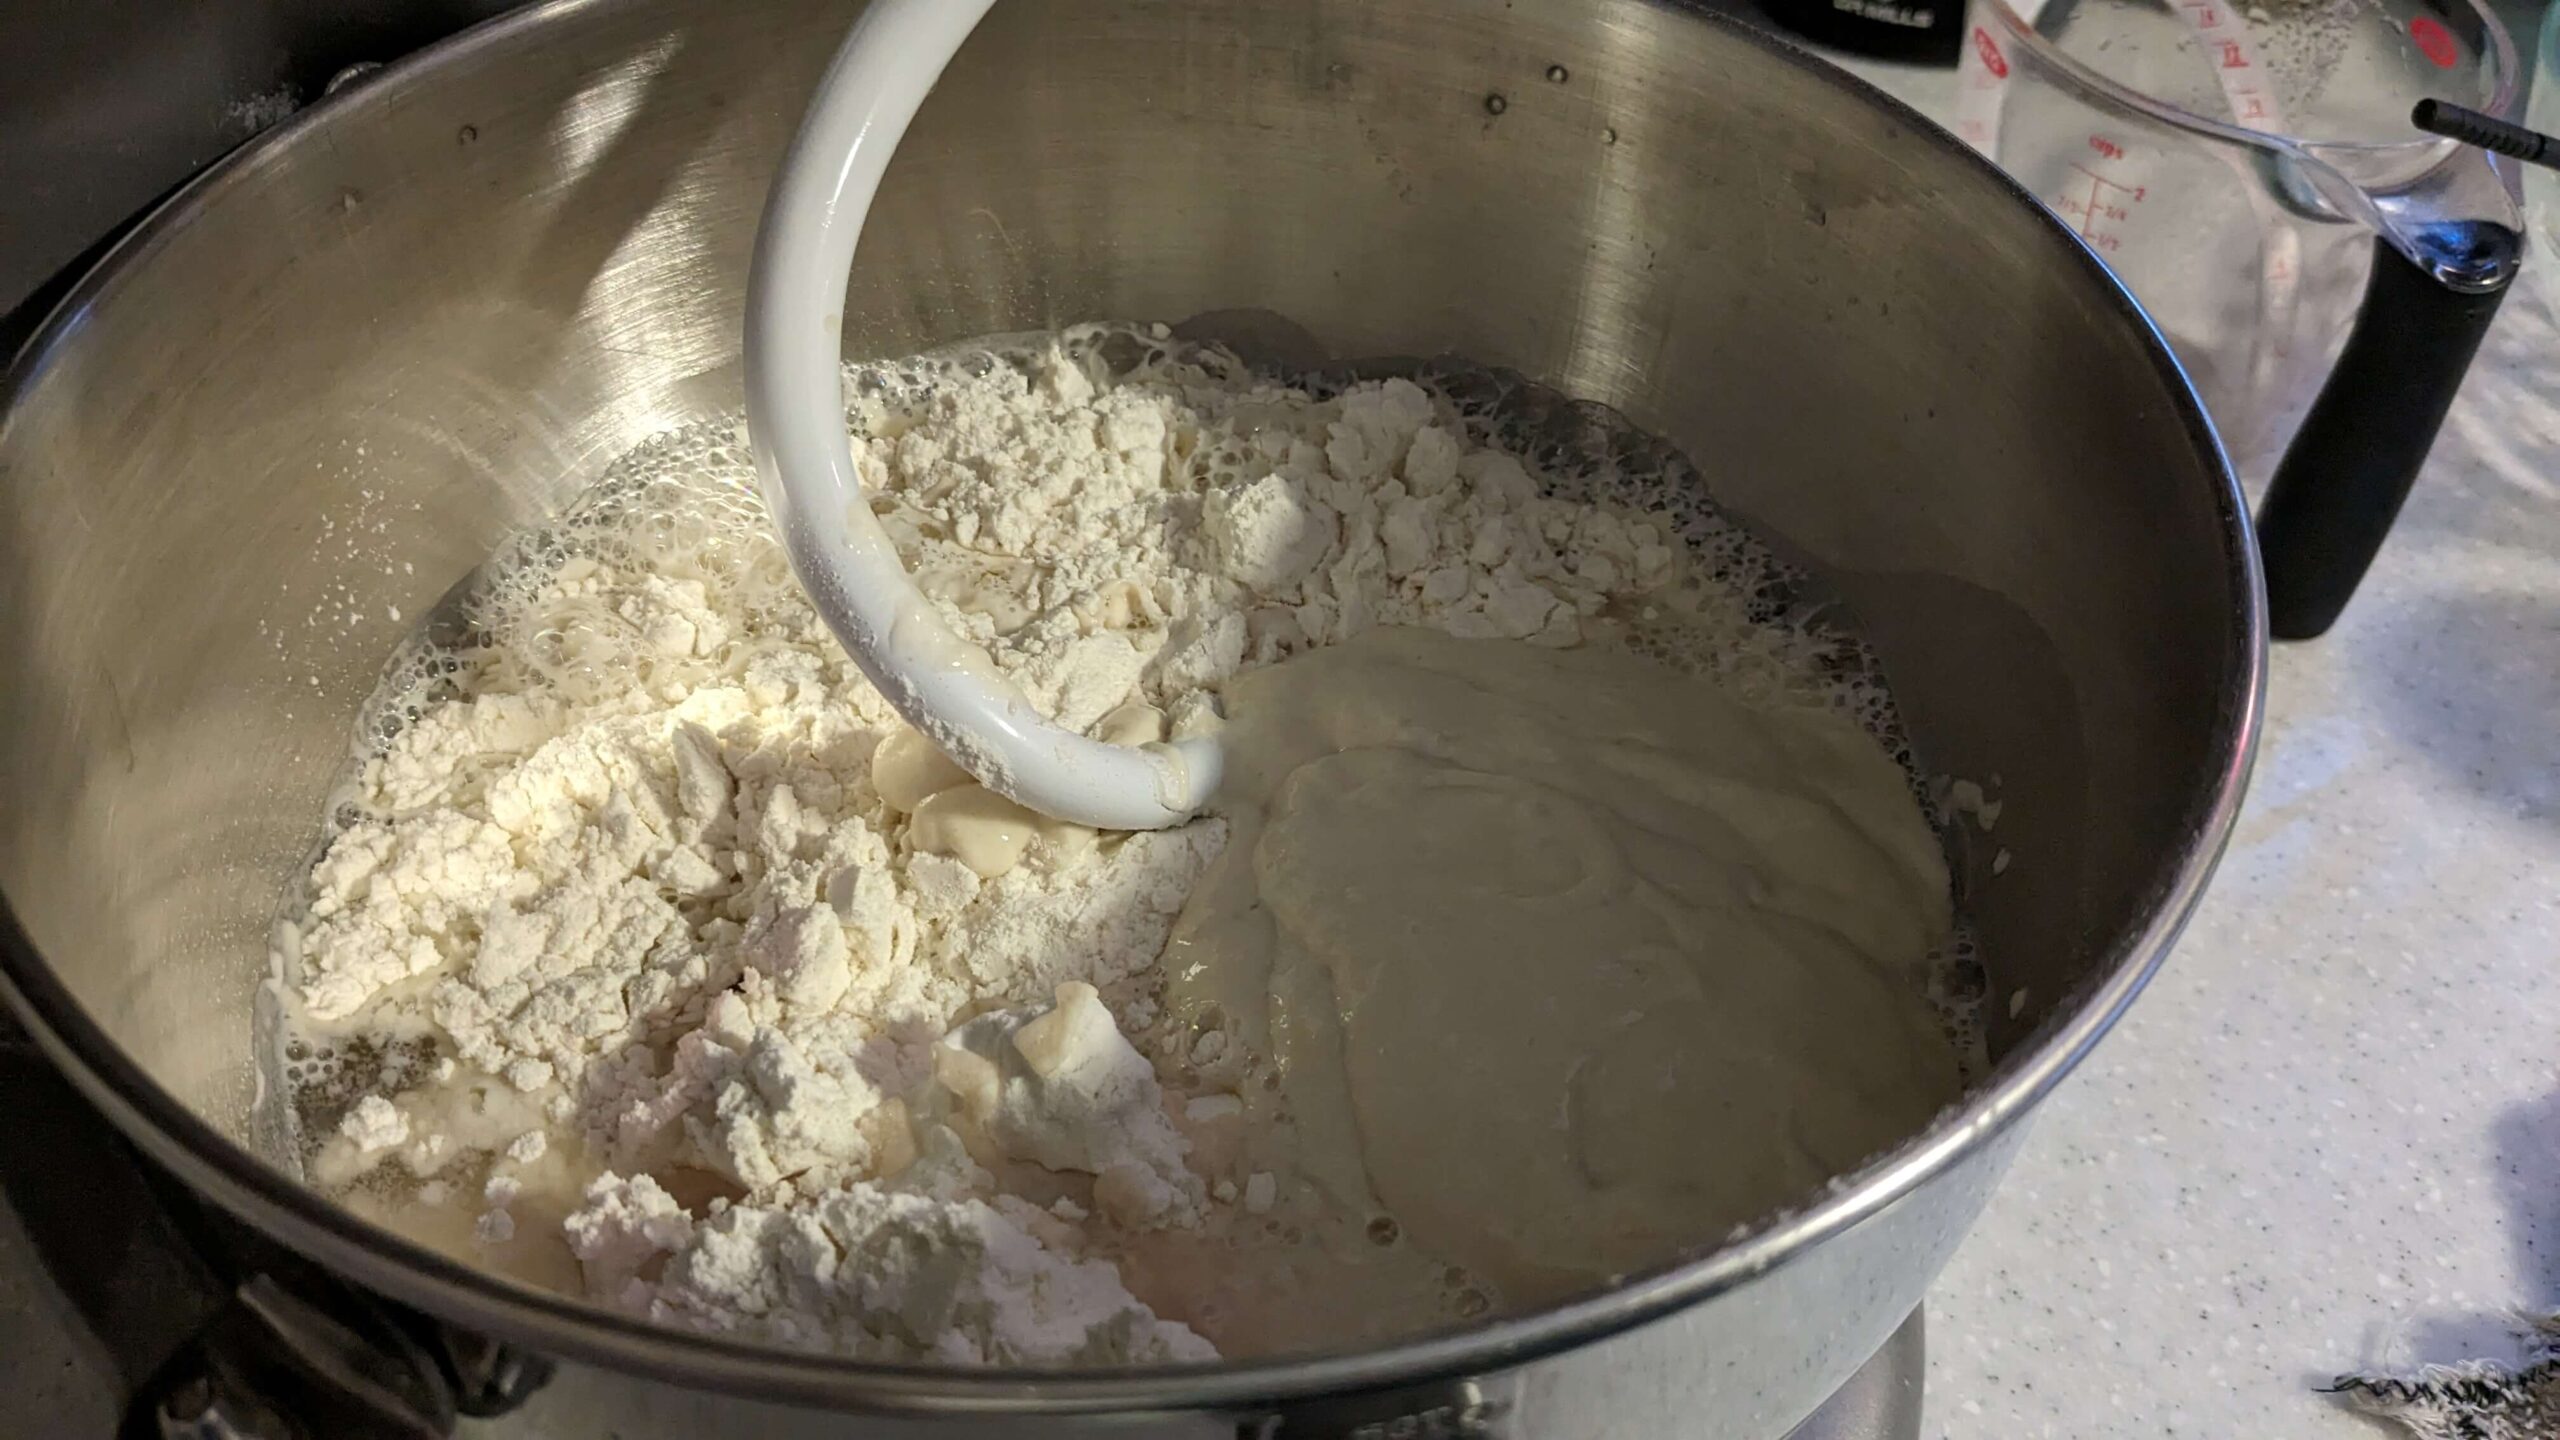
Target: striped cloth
[[2475, 1400]]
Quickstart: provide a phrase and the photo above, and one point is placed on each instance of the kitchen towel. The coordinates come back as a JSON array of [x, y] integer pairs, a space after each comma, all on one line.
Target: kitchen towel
[[2475, 1400]]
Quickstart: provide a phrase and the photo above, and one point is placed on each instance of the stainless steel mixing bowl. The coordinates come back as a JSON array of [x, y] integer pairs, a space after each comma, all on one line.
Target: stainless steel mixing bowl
[[312, 393]]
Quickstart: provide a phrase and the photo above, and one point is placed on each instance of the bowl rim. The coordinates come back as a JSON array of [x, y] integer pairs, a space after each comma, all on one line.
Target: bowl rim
[[173, 1135]]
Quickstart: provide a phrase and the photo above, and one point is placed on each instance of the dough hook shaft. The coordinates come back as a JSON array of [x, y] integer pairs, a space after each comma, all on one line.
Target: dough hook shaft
[[939, 681]]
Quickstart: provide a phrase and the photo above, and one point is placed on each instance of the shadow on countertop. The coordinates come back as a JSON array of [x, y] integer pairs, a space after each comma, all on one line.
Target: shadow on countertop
[[2528, 1141], [2472, 683]]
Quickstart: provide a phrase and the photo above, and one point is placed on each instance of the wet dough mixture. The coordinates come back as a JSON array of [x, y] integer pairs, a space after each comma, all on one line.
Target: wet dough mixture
[[651, 957], [1563, 959]]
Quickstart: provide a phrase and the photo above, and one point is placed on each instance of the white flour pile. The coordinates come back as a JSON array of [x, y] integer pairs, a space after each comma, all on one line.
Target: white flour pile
[[648, 930]]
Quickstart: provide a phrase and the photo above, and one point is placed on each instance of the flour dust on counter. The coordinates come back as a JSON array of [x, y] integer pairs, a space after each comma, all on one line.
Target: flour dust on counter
[[649, 956]]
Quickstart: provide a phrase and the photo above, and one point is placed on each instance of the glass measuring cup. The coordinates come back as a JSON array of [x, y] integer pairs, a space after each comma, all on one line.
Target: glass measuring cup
[[2244, 165], [2542, 186]]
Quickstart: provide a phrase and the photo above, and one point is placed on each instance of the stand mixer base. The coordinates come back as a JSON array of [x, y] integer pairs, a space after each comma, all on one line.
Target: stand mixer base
[[1881, 1401]]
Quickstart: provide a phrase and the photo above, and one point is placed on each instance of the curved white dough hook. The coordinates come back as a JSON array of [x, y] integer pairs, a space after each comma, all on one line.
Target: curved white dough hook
[[944, 685]]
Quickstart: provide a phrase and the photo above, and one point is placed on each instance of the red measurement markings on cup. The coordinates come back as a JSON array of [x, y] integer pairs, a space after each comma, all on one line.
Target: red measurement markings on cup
[[1989, 51], [1979, 80], [2235, 61], [2100, 203], [2435, 42]]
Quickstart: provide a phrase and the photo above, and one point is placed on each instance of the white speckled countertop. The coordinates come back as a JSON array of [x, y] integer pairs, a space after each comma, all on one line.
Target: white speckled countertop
[[2328, 1136]]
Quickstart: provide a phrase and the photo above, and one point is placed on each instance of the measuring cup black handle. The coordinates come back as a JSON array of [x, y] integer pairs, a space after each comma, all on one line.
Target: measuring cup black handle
[[2341, 482]]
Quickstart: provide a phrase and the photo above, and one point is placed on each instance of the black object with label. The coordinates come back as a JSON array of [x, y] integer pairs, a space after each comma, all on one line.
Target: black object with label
[[1922, 32]]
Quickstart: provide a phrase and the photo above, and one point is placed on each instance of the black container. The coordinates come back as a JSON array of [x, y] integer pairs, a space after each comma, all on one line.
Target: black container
[[1920, 32]]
